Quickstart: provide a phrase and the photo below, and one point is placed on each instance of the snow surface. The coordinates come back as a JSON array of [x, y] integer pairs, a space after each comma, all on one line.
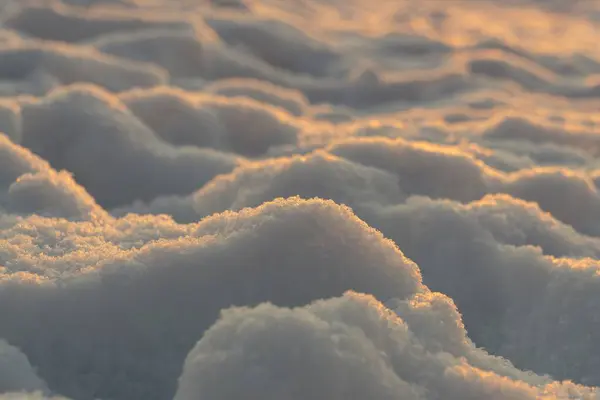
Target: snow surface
[[309, 199]]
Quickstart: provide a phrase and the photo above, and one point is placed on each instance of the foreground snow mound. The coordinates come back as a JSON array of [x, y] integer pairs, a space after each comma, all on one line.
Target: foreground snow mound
[[70, 289], [354, 347]]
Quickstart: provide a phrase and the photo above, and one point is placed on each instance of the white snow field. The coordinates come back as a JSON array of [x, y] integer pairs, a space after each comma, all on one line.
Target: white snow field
[[299, 199]]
